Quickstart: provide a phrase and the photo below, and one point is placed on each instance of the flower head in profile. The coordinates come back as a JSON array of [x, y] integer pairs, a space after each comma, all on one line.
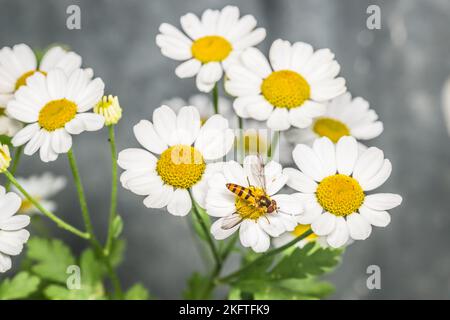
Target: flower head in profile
[[18, 63], [334, 181], [291, 90], [344, 117], [246, 198], [212, 43], [5, 158], [176, 159], [41, 188], [110, 109], [54, 107], [12, 232]]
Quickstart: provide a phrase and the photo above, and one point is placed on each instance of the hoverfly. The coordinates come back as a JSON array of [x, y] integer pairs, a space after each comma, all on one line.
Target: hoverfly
[[251, 199]]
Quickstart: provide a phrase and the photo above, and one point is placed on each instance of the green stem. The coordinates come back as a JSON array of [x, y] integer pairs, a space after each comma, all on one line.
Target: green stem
[[59, 222], [113, 208], [264, 256], [80, 191], [273, 145], [87, 221], [215, 94], [210, 241], [15, 165]]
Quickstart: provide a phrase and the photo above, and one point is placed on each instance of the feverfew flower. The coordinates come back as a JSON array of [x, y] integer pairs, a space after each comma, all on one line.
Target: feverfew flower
[[185, 150], [18, 63], [212, 44], [246, 199], [344, 116], [5, 158], [110, 109], [333, 182], [54, 107], [12, 232], [291, 90], [41, 188]]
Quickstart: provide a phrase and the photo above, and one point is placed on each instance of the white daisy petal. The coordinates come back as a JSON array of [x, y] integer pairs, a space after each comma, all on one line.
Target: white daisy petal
[[25, 135], [221, 233], [159, 198], [324, 224], [35, 143], [165, 124], [358, 227], [340, 235], [188, 69], [188, 125], [346, 155], [288, 204], [325, 151], [251, 39], [56, 84], [308, 162], [280, 55], [375, 217], [130, 159], [234, 173], [368, 164], [61, 141], [148, 138], [180, 204], [210, 73], [382, 201], [299, 181], [379, 178], [5, 263], [279, 119], [192, 26], [256, 62]]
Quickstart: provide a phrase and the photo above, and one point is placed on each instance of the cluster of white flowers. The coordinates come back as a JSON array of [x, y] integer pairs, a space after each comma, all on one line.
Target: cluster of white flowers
[[295, 90]]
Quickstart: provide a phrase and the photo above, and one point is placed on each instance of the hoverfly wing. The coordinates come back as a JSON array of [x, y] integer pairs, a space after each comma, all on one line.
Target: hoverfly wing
[[257, 171], [231, 221]]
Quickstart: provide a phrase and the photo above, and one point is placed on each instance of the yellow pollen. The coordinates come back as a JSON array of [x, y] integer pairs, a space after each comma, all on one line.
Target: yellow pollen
[[285, 89], [55, 114], [331, 128], [211, 49], [249, 209], [23, 78], [181, 166], [301, 229], [340, 194]]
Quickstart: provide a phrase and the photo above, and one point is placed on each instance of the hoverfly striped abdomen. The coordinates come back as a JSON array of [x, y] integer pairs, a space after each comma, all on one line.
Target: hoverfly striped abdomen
[[241, 192]]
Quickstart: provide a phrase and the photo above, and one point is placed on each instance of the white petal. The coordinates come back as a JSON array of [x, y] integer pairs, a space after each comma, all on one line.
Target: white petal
[[148, 138], [192, 26], [91, 121], [180, 204], [324, 225], [368, 164], [379, 178], [15, 223], [188, 125], [358, 227], [5, 263], [280, 55], [56, 84], [288, 204], [165, 124], [325, 151], [9, 205], [279, 119], [308, 162], [340, 235], [35, 143], [61, 141], [234, 173], [159, 198], [256, 62], [218, 231], [188, 69], [91, 95], [299, 181], [133, 158], [210, 73], [274, 177], [46, 152], [25, 135], [251, 39], [260, 110], [375, 217], [346, 155], [382, 201], [11, 242]]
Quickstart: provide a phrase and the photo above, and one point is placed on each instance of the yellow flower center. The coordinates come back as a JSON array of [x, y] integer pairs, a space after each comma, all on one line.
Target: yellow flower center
[[26, 205], [181, 166], [55, 114], [285, 89], [23, 78], [340, 194], [211, 48], [331, 128], [301, 229], [249, 209]]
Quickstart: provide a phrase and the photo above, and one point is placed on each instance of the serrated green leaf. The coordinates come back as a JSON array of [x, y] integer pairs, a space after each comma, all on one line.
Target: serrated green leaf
[[92, 270], [51, 258], [19, 287], [137, 292], [117, 226], [197, 287], [57, 292]]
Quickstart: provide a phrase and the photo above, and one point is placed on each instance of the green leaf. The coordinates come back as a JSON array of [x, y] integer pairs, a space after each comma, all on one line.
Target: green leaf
[[137, 292], [51, 258], [19, 287], [5, 140], [57, 292], [117, 226], [197, 224], [92, 270], [197, 287], [117, 252]]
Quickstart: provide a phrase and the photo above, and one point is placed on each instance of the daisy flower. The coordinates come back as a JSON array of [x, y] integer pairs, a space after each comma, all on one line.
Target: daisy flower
[[12, 232], [344, 116], [212, 44], [54, 107], [300, 229], [110, 109], [185, 150], [290, 90], [333, 182], [18, 63], [204, 106], [5, 157], [41, 188], [246, 198]]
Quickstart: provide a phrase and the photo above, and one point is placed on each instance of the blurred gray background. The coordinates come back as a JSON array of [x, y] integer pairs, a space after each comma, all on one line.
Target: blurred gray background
[[400, 69]]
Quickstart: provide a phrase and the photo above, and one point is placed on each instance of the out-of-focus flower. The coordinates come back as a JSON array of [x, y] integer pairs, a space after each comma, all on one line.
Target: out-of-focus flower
[[333, 182], [213, 43], [186, 150], [12, 232], [236, 196], [5, 158], [18, 63], [55, 107], [41, 188], [344, 116], [291, 90], [110, 109]]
